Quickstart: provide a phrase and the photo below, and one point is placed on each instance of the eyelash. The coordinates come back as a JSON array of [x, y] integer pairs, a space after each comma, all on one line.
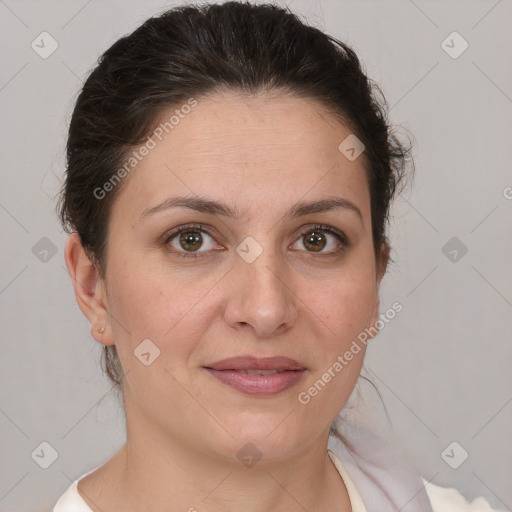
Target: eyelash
[[201, 227]]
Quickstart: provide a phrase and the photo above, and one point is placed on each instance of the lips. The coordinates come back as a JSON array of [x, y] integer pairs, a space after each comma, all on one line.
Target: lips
[[257, 376], [249, 363]]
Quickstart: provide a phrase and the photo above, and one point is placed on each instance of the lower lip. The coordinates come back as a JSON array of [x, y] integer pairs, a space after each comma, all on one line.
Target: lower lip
[[263, 385]]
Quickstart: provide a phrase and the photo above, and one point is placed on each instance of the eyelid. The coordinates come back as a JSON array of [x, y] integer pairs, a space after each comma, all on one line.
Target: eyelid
[[342, 238]]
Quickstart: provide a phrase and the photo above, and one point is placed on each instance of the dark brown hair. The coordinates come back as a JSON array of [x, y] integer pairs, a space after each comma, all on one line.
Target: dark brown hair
[[191, 51]]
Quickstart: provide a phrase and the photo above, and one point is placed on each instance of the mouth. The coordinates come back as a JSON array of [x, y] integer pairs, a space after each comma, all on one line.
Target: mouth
[[259, 372], [257, 376], [250, 363]]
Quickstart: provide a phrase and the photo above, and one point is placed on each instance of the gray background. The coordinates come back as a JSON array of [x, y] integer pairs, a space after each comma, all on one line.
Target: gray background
[[442, 366]]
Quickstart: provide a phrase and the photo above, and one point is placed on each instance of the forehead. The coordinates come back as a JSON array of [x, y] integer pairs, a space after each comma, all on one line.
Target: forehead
[[267, 127], [247, 149]]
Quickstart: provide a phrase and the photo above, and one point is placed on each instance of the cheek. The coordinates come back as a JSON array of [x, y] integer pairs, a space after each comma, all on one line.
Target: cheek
[[354, 310], [345, 308], [148, 308], [144, 304], [343, 313]]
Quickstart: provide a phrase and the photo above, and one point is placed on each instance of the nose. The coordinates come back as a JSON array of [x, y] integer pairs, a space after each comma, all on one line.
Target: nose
[[261, 296]]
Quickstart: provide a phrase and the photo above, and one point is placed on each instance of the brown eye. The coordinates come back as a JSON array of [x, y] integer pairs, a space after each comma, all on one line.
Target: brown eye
[[191, 240], [315, 240]]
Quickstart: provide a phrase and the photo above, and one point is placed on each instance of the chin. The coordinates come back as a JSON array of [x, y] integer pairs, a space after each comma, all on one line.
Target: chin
[[266, 436]]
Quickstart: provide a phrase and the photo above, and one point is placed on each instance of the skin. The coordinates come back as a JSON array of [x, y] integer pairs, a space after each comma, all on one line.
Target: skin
[[260, 155]]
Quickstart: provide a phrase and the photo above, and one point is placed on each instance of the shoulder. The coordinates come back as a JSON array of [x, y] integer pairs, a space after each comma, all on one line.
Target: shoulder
[[444, 499], [71, 501]]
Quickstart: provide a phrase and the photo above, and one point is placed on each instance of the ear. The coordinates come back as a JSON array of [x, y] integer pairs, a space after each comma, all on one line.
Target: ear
[[381, 266], [89, 289]]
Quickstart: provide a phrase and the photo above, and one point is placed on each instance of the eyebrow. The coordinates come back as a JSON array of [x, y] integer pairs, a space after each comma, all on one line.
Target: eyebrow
[[204, 205]]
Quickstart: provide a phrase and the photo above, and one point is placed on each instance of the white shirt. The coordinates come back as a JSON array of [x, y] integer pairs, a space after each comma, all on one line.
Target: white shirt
[[442, 499]]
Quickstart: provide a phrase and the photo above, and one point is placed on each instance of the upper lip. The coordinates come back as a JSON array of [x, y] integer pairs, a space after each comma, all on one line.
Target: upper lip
[[256, 363]]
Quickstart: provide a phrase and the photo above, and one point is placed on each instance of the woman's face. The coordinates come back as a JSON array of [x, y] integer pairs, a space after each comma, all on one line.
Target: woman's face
[[257, 284]]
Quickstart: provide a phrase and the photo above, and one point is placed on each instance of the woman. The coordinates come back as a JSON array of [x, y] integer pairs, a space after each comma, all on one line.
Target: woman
[[229, 177]]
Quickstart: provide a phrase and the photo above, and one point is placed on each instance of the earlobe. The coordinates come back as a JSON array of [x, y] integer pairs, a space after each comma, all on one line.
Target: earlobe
[[89, 289]]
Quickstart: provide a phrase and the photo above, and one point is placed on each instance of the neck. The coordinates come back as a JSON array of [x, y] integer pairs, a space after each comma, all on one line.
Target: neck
[[153, 471]]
